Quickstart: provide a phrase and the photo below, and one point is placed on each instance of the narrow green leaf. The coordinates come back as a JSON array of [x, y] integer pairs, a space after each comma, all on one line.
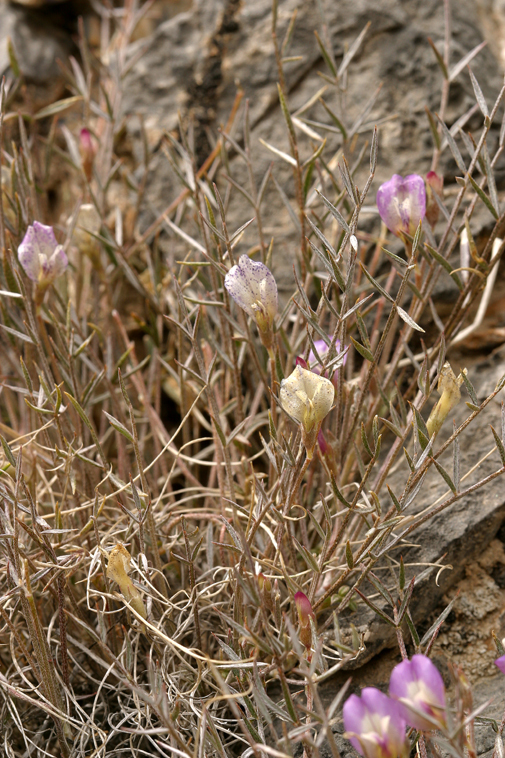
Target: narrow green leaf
[[445, 476], [376, 609], [362, 350], [497, 439], [487, 202], [119, 427], [439, 58]]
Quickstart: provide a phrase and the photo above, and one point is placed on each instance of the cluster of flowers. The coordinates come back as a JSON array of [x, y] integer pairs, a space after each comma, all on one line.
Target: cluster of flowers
[[375, 724]]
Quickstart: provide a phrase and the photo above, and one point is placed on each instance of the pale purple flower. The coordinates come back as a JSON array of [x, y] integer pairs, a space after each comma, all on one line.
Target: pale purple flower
[[402, 203], [500, 662], [252, 285], [42, 258], [419, 688], [374, 725], [322, 349]]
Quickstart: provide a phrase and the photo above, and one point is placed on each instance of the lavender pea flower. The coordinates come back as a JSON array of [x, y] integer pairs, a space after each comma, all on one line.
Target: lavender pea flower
[[42, 258], [418, 687], [252, 285], [374, 725], [402, 203], [500, 662]]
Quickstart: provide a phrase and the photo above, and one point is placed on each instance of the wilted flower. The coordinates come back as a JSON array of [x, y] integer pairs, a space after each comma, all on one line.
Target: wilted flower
[[41, 257], [374, 725], [500, 662], [402, 203], [252, 285], [418, 686], [305, 614], [448, 387], [118, 569], [307, 397], [434, 186]]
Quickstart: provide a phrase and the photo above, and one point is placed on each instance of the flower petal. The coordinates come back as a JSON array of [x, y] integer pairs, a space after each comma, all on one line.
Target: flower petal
[[387, 204], [415, 191], [55, 265]]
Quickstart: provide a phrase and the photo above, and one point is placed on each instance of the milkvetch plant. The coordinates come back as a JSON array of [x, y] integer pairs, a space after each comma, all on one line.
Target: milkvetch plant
[[270, 499]]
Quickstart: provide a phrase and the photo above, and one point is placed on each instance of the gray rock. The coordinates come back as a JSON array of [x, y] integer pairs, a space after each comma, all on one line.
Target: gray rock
[[37, 42]]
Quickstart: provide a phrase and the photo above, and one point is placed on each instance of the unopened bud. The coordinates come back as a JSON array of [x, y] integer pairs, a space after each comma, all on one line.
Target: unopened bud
[[305, 614], [88, 152]]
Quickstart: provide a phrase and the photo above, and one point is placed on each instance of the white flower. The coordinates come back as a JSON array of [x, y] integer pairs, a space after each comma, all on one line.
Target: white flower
[[252, 285], [40, 255], [308, 398]]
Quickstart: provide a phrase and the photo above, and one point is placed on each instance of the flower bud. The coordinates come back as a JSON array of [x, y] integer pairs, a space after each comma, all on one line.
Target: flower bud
[[307, 397], [305, 614], [374, 725], [418, 687], [265, 586], [448, 387], [402, 203], [252, 285], [87, 151], [42, 258], [434, 186]]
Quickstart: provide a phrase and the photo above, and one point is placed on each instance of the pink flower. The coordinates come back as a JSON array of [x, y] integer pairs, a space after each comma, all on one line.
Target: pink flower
[[402, 203], [374, 725], [500, 662], [313, 364], [418, 687]]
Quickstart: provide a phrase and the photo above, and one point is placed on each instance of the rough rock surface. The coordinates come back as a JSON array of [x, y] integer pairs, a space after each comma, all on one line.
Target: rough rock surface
[[458, 535], [40, 37], [196, 61]]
